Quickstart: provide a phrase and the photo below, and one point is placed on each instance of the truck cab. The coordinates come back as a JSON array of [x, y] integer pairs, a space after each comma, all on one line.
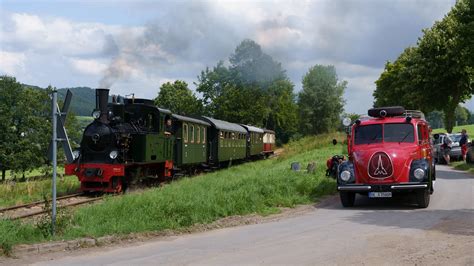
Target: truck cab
[[390, 152]]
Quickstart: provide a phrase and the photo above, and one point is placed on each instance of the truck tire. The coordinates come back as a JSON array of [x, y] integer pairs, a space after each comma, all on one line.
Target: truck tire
[[347, 198], [423, 198]]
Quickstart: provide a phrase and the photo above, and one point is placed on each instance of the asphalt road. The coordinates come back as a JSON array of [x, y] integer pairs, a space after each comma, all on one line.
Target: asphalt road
[[389, 231]]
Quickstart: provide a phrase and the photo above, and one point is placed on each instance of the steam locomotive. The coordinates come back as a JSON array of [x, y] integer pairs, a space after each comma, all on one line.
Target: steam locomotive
[[132, 139]]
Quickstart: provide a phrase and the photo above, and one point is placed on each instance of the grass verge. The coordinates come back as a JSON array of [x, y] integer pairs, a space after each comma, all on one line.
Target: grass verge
[[469, 128], [463, 166], [16, 193], [258, 187]]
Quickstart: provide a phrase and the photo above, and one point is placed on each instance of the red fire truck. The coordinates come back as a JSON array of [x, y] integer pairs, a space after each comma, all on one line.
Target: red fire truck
[[390, 152]]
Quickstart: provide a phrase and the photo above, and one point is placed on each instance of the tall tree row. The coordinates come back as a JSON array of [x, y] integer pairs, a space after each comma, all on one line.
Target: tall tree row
[[254, 89], [438, 73]]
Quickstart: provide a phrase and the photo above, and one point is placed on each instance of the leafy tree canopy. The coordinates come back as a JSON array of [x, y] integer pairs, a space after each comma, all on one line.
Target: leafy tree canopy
[[438, 73], [320, 102], [178, 98], [253, 89]]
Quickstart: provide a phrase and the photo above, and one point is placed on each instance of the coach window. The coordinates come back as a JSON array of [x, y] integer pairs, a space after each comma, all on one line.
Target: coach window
[[204, 135], [191, 133], [185, 132], [198, 137]]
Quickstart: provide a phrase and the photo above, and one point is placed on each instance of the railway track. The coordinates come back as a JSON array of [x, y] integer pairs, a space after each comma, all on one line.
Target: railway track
[[39, 207]]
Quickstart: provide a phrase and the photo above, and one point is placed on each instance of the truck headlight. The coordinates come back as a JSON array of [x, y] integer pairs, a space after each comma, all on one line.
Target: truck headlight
[[419, 174], [113, 154], [76, 154], [345, 175]]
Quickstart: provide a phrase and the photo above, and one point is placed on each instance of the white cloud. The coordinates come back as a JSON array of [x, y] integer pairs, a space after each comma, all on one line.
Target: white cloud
[[11, 63], [56, 35], [357, 37], [88, 66]]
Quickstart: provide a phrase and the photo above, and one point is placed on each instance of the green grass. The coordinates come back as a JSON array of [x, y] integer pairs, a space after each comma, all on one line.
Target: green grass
[[463, 166], [258, 187], [469, 128], [16, 193], [35, 173]]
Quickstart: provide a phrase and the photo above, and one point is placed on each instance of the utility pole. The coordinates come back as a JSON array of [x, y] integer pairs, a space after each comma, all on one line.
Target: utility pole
[[54, 142]]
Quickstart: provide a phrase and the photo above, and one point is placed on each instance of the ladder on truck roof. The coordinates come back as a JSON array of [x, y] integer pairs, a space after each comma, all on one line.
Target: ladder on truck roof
[[415, 114]]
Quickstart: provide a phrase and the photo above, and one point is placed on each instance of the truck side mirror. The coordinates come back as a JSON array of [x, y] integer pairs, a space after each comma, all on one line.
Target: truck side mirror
[[334, 142], [436, 136]]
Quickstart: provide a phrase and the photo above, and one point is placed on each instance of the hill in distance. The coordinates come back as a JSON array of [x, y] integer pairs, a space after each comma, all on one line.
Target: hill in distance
[[83, 99]]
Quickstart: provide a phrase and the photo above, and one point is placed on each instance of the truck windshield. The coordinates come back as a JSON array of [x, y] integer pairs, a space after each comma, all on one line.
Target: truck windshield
[[368, 134], [391, 133]]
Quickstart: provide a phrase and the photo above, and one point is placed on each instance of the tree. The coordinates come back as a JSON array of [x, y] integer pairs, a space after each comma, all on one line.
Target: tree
[[254, 89], [242, 104], [438, 73], [462, 115], [178, 98], [282, 110], [435, 118], [320, 102], [24, 126], [252, 66], [398, 83], [211, 84]]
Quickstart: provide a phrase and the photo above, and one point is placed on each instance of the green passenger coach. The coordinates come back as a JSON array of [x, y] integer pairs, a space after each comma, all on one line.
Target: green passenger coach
[[254, 141], [227, 141], [191, 140]]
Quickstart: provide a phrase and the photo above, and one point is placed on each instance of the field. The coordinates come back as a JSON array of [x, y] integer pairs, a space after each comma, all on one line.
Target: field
[[469, 128], [16, 193], [258, 187]]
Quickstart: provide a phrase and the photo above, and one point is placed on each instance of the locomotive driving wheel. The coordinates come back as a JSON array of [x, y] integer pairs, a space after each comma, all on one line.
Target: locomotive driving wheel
[[119, 184]]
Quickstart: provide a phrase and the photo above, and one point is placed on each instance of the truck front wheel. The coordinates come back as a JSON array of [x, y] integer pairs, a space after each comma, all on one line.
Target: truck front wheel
[[423, 198], [347, 198]]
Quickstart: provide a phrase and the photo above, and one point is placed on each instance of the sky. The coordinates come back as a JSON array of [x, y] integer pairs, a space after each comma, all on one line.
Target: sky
[[135, 46]]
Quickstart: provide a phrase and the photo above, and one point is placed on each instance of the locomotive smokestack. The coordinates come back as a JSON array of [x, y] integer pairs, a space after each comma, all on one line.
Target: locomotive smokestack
[[101, 100]]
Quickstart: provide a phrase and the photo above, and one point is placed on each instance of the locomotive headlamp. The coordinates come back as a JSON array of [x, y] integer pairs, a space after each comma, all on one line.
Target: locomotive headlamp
[[76, 154], [96, 114], [345, 175], [419, 173], [113, 154]]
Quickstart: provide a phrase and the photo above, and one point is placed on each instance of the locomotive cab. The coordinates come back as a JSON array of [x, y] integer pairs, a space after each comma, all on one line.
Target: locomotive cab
[[390, 153]]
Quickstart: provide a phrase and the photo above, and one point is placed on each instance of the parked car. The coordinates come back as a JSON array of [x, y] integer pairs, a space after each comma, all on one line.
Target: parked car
[[437, 152], [455, 152], [470, 154]]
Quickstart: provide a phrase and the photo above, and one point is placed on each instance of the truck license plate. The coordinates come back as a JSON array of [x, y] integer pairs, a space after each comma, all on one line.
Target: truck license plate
[[380, 194]]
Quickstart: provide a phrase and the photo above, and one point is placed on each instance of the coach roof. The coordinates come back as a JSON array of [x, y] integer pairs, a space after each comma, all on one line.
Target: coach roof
[[224, 125], [252, 128], [190, 119]]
